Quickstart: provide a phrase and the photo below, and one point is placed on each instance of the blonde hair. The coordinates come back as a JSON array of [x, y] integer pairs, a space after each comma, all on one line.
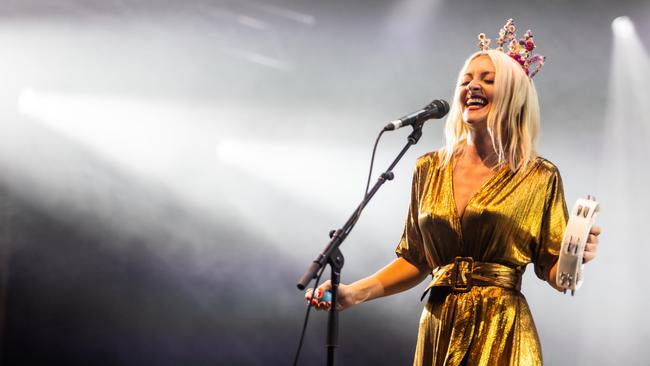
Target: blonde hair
[[513, 120]]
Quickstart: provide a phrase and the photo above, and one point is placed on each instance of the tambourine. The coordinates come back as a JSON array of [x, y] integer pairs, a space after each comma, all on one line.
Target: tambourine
[[570, 264]]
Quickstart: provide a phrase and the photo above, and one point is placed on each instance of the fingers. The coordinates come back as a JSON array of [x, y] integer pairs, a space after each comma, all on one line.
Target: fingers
[[592, 244], [313, 296], [589, 256], [595, 230], [590, 252], [323, 305], [320, 293], [591, 248], [309, 294], [326, 286], [316, 296]]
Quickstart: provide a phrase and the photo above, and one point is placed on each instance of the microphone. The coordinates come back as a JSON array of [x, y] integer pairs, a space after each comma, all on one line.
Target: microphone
[[436, 109]]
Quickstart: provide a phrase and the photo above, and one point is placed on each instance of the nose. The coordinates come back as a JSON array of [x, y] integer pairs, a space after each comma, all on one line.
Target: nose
[[474, 86]]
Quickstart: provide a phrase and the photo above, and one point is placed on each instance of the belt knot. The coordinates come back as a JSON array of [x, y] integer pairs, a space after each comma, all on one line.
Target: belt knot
[[464, 273]]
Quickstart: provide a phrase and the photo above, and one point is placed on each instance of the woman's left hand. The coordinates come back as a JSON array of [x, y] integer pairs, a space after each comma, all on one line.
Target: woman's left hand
[[592, 244]]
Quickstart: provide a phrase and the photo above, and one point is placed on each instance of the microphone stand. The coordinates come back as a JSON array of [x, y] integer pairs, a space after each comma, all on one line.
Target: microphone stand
[[332, 255]]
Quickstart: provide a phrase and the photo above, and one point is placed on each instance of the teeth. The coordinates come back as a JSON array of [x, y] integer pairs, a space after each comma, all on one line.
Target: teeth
[[471, 101]]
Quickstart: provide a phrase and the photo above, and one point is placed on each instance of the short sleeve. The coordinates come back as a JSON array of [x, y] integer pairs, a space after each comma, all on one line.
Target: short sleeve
[[552, 228], [411, 246]]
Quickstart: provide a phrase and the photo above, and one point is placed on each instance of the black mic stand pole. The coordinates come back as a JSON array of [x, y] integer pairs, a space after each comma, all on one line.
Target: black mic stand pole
[[333, 256]]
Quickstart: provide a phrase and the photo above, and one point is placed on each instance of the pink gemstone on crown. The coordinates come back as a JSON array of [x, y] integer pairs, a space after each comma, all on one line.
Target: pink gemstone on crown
[[530, 45]]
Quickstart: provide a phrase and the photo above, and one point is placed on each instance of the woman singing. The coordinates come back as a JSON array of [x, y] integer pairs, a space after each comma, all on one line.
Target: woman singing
[[481, 209]]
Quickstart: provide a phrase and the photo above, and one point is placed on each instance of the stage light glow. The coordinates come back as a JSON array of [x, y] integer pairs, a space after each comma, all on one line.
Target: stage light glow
[[307, 187], [299, 169], [161, 142], [141, 134], [174, 144], [624, 194], [411, 16], [623, 27]]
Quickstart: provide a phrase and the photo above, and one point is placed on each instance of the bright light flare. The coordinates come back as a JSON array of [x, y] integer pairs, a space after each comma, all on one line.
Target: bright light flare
[[623, 27], [303, 170], [143, 135]]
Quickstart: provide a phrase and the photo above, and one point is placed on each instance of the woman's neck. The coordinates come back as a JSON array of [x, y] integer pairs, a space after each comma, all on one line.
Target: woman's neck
[[480, 148]]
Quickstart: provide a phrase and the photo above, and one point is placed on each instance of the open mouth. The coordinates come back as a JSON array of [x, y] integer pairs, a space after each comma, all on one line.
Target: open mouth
[[476, 102]]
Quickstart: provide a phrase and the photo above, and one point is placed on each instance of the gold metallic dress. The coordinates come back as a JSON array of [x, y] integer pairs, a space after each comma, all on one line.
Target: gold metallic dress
[[475, 314]]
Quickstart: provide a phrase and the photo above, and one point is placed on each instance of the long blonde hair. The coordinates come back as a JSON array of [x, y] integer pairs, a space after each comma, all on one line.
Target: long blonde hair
[[513, 120]]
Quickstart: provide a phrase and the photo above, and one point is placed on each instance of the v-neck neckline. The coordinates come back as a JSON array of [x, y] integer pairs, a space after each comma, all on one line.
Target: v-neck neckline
[[457, 216]]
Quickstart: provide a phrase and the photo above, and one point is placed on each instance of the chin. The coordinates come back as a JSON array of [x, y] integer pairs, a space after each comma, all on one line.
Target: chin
[[474, 120]]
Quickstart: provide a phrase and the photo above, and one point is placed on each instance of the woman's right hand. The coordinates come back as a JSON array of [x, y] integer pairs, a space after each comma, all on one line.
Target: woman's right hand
[[399, 275], [344, 299]]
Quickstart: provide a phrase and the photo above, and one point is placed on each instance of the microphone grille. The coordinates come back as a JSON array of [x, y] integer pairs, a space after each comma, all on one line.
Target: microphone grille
[[439, 107]]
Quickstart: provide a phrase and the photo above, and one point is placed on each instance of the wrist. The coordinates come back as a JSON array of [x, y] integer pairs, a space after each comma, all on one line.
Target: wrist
[[365, 290], [552, 277]]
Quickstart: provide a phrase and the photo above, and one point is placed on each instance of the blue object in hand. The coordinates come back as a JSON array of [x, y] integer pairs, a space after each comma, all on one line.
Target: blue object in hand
[[327, 296]]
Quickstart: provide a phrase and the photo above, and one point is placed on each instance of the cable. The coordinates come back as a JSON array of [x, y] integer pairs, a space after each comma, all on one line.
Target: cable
[[372, 162], [357, 214], [306, 321]]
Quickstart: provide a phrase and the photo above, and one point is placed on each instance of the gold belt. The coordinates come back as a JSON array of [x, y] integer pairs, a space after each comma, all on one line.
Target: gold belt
[[464, 273]]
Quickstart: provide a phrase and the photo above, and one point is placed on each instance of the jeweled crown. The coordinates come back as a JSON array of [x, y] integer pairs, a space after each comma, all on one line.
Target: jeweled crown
[[520, 50]]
